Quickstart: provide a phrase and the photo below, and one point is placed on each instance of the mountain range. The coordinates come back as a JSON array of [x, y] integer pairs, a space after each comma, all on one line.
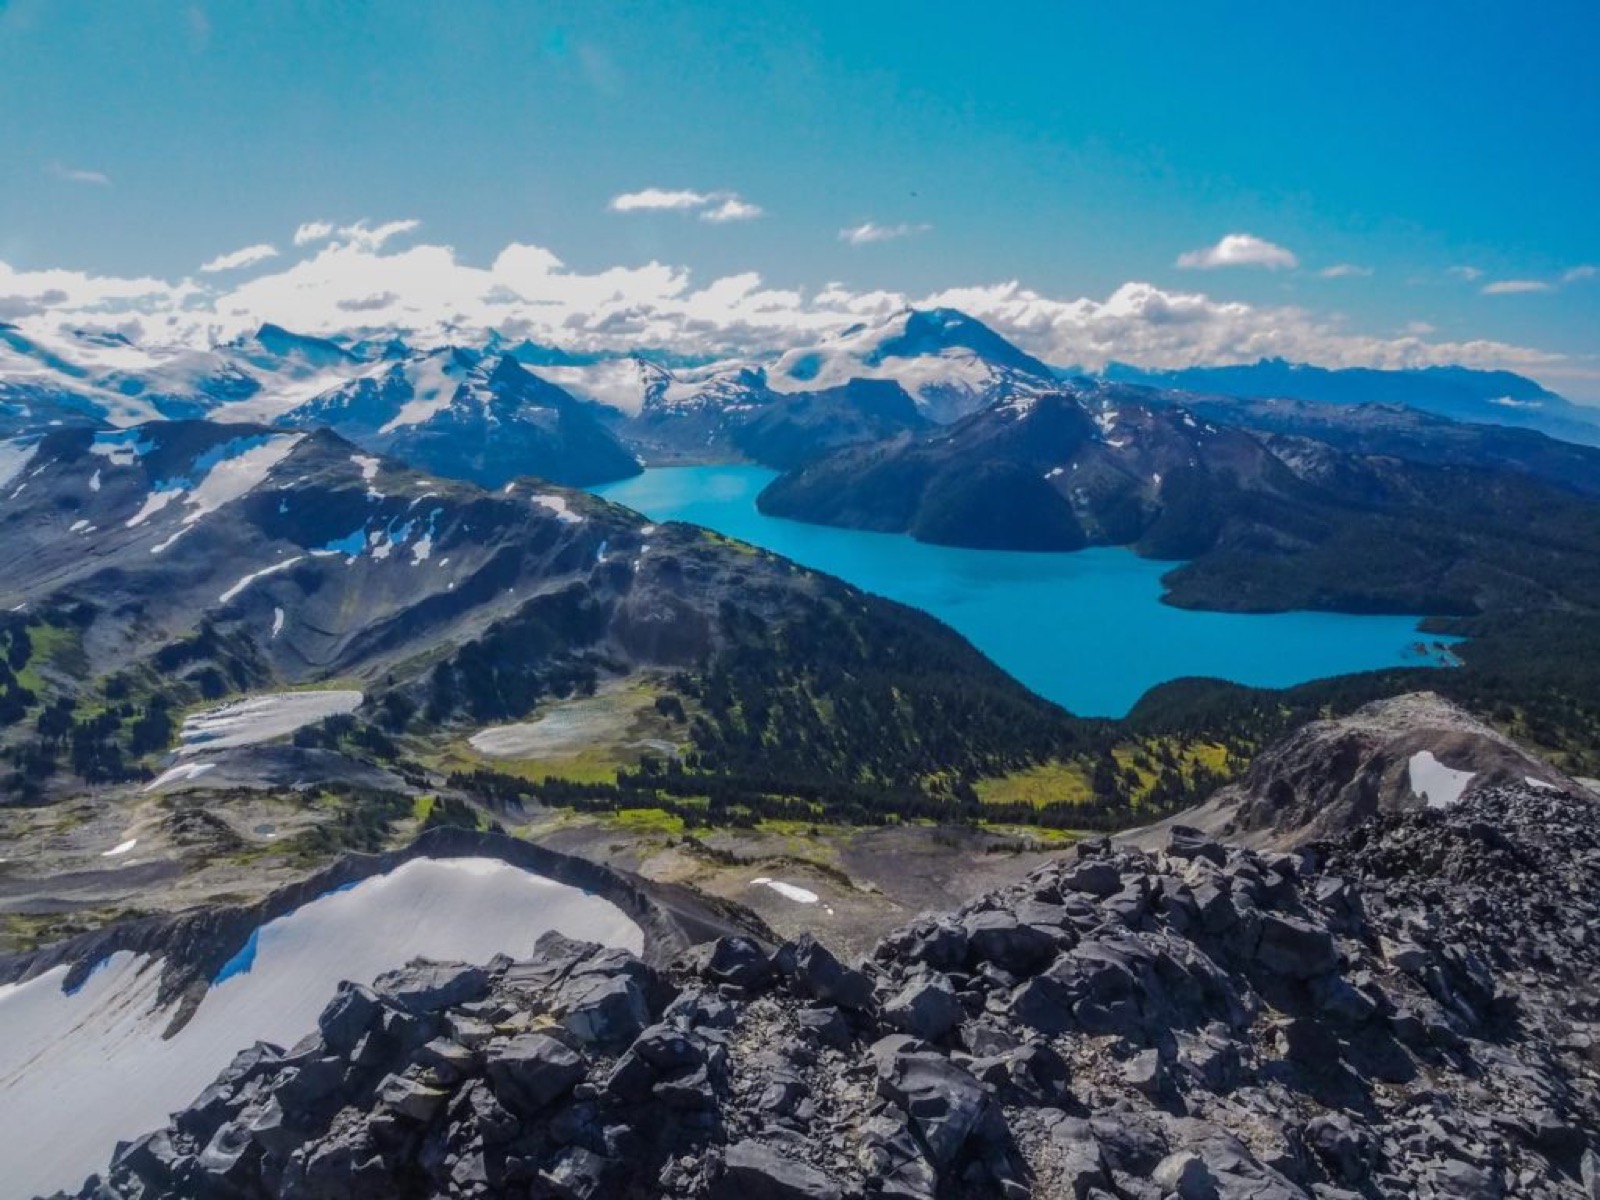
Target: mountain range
[[487, 411]]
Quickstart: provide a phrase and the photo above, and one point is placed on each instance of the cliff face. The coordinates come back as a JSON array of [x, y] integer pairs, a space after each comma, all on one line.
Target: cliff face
[[1403, 1009]]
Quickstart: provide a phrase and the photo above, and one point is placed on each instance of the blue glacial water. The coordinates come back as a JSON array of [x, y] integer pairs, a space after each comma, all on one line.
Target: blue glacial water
[[1087, 630]]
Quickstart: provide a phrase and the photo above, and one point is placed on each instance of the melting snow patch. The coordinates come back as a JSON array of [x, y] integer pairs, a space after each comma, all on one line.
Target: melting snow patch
[[255, 575], [120, 848], [154, 503], [121, 447], [558, 505], [1439, 785], [1542, 785], [799, 895], [277, 621], [181, 773], [94, 480], [14, 457], [368, 465], [78, 526], [81, 1071], [261, 718]]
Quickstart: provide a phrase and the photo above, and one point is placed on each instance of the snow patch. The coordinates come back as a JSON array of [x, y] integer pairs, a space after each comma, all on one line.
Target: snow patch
[[277, 621], [558, 505], [15, 456], [120, 849], [1439, 785], [255, 575], [789, 891], [123, 448], [261, 718], [181, 773]]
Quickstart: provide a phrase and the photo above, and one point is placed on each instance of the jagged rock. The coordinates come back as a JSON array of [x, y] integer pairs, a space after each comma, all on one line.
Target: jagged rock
[[602, 1009], [823, 977], [1092, 878], [1186, 842], [1185, 1175], [1347, 1152], [1238, 1039], [1296, 948], [578, 1174], [946, 1104], [999, 938], [425, 987], [529, 1071], [926, 1008], [739, 961], [353, 1011], [756, 1171]]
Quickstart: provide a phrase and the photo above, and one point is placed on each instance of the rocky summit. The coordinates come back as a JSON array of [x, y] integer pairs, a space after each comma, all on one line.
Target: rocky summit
[[1404, 1009]]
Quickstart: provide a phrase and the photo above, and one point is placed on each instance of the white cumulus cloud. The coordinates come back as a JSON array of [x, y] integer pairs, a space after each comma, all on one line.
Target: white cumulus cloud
[[1344, 271], [247, 256], [1239, 250], [870, 231], [357, 280]]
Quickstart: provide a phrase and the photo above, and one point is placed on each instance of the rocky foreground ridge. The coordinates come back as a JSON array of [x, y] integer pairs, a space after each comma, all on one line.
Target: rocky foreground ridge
[[1408, 1009]]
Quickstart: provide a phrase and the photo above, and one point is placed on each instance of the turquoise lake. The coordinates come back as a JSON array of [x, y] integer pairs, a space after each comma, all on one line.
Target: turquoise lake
[[1087, 630]]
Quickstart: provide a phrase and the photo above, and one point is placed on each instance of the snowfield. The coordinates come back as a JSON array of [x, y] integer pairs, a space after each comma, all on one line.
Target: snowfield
[[1439, 785], [81, 1071], [260, 719]]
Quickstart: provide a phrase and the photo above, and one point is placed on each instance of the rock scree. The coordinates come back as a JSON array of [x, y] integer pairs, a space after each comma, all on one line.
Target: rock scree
[[1405, 1009]]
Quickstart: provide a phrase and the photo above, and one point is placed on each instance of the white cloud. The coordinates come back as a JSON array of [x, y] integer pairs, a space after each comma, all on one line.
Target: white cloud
[[869, 232], [1514, 287], [1344, 271], [249, 256], [1239, 250], [313, 231], [360, 282], [78, 175], [1470, 274], [1578, 274], [731, 208], [716, 207], [361, 234], [657, 200]]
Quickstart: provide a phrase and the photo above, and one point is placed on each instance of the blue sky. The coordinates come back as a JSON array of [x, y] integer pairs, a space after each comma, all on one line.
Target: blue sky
[[1430, 169]]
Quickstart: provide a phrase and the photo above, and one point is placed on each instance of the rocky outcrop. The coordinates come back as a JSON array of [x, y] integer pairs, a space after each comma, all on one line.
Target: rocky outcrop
[[1404, 1010], [1392, 755]]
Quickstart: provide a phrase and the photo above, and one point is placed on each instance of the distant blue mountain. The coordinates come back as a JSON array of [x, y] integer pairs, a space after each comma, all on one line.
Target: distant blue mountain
[[1464, 394]]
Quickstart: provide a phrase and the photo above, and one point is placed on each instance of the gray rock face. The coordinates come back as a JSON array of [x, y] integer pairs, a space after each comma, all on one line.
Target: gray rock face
[[1408, 1010]]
